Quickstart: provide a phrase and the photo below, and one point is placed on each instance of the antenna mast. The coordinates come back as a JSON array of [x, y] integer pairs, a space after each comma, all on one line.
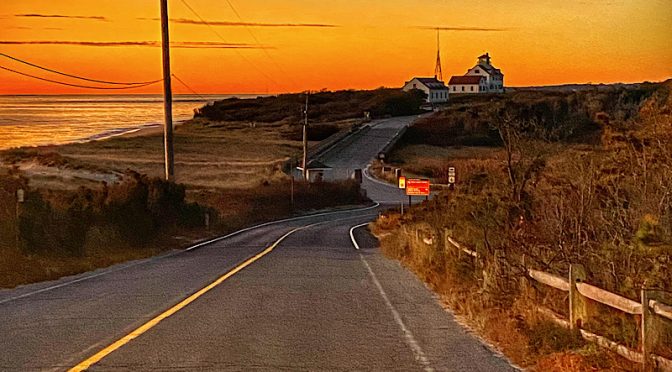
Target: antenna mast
[[437, 70]]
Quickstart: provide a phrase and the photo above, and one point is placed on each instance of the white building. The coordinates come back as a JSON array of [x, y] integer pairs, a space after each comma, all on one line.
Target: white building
[[436, 90], [494, 79], [467, 84]]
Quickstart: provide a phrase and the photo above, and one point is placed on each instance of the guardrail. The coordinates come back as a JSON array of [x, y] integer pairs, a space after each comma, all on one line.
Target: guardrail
[[333, 140], [382, 155], [650, 310]]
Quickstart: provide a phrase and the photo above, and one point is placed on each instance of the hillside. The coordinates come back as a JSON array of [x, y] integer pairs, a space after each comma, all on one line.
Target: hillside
[[567, 178], [564, 115], [325, 106]]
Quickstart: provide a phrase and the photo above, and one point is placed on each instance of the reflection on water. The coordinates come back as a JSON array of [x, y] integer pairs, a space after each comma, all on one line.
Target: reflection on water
[[44, 120]]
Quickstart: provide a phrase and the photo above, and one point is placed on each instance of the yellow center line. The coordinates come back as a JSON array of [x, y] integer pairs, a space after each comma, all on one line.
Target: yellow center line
[[152, 323]]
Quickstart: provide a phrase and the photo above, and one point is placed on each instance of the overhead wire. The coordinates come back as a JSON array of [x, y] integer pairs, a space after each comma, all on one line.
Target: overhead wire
[[78, 77], [78, 85], [249, 30], [224, 40], [188, 87]]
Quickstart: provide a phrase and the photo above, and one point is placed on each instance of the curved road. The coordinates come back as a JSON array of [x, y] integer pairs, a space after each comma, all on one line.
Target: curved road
[[311, 293]]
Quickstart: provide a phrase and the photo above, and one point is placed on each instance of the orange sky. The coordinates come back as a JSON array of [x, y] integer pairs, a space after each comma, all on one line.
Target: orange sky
[[375, 42]]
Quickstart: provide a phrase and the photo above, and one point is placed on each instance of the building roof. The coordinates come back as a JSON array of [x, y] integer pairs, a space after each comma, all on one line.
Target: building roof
[[431, 83], [467, 79], [491, 70]]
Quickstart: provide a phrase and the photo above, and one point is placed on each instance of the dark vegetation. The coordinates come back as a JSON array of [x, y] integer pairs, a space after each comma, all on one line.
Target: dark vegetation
[[581, 178], [67, 232], [561, 115], [325, 106]]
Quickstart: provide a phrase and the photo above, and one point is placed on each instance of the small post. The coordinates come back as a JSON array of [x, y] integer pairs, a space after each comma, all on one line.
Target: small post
[[645, 337], [524, 287], [651, 328], [291, 191], [207, 220], [409, 201], [20, 198], [577, 304], [402, 208]]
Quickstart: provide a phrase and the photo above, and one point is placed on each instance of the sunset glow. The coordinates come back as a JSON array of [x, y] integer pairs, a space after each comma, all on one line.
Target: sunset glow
[[296, 45]]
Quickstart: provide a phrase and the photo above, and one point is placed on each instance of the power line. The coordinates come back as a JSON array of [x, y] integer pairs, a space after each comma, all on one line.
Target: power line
[[77, 77], [249, 30], [76, 85], [188, 87], [224, 40]]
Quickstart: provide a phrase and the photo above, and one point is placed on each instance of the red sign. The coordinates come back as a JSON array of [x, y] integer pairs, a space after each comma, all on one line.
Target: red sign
[[416, 186]]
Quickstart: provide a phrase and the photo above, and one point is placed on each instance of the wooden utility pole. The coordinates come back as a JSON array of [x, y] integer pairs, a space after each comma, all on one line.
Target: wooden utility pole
[[167, 95], [305, 140]]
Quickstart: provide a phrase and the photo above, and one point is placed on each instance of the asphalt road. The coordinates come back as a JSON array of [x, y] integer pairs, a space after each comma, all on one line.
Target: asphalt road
[[303, 294]]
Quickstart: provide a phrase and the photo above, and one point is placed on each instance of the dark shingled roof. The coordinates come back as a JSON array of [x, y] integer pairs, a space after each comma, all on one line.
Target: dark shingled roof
[[468, 79], [432, 83]]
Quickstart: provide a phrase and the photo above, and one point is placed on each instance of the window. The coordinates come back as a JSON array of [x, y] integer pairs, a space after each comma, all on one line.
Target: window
[[415, 86], [472, 88], [454, 88], [463, 89], [477, 71]]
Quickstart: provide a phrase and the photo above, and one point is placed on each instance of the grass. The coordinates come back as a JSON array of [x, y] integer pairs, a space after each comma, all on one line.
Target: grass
[[234, 168], [601, 200]]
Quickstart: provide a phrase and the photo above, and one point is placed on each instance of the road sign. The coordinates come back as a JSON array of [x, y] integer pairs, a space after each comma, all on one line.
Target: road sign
[[451, 175], [402, 182], [416, 186]]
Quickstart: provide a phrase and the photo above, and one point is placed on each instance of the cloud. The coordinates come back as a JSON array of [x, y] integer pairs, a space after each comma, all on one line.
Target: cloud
[[33, 28], [242, 24], [36, 15], [476, 29], [177, 44]]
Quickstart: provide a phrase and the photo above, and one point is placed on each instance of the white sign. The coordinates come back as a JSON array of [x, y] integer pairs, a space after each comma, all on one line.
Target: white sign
[[20, 195]]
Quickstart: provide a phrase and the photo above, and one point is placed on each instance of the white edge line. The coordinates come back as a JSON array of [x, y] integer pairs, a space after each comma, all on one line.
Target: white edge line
[[352, 236], [410, 340], [376, 205], [370, 178], [110, 271]]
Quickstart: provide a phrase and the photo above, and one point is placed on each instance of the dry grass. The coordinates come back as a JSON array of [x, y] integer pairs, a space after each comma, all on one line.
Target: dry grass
[[222, 155], [235, 168], [523, 335]]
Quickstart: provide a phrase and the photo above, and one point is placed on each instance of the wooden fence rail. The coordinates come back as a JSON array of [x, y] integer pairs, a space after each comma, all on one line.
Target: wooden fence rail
[[651, 310]]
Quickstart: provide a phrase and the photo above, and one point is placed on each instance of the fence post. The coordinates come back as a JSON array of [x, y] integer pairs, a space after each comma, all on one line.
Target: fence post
[[647, 329], [522, 282], [577, 304], [651, 326]]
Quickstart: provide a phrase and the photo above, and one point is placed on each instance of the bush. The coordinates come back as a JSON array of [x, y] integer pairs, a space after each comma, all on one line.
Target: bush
[[137, 208], [324, 106]]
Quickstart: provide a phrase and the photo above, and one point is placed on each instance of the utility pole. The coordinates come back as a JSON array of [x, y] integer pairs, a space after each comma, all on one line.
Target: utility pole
[[305, 139], [169, 158]]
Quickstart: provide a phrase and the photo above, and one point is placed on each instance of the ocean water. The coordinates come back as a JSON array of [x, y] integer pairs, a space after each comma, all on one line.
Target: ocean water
[[39, 120]]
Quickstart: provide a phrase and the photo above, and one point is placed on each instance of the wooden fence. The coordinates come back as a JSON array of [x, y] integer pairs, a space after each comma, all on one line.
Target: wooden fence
[[651, 309]]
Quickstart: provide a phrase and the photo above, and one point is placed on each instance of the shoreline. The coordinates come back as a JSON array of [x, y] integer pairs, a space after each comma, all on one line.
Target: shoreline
[[128, 132]]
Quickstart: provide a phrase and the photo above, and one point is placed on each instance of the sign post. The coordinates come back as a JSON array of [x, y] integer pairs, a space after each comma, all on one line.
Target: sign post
[[415, 186], [451, 177]]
